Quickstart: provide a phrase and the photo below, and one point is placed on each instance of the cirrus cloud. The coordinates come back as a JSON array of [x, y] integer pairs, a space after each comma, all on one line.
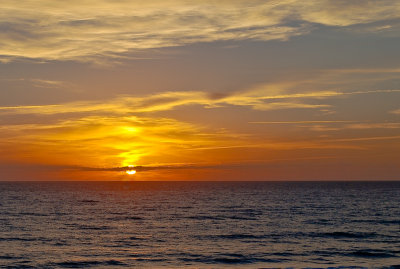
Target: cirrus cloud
[[84, 30]]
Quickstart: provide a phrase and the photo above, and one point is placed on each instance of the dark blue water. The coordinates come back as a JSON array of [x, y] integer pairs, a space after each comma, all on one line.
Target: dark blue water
[[199, 224]]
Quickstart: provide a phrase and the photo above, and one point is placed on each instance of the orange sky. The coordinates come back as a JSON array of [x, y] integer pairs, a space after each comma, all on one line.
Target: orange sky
[[226, 90]]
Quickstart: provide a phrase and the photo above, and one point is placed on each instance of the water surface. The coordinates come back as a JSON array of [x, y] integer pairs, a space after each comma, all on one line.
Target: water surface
[[199, 224]]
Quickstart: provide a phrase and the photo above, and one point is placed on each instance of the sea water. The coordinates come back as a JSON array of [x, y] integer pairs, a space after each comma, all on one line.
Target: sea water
[[199, 224]]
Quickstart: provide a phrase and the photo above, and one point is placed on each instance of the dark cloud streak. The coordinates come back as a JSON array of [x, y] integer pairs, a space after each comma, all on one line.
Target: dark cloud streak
[[148, 168]]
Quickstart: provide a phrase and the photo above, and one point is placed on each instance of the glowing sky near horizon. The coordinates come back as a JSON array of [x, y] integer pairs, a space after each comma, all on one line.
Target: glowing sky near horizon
[[199, 90]]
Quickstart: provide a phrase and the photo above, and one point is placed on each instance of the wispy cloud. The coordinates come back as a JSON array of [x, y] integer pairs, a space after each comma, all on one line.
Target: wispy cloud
[[30, 83], [83, 30], [397, 111], [334, 125], [383, 125], [354, 126], [301, 122], [45, 83], [258, 99], [394, 137]]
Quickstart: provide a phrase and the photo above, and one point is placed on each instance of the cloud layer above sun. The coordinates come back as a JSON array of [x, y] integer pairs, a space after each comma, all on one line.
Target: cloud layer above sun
[[87, 30]]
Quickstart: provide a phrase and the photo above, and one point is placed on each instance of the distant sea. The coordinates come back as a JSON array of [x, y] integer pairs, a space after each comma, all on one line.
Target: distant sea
[[199, 224]]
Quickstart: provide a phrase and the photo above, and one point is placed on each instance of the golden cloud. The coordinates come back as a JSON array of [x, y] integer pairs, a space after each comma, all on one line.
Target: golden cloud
[[83, 30], [120, 141], [257, 99], [106, 141]]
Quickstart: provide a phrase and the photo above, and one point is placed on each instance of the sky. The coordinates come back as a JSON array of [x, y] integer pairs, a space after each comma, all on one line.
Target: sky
[[200, 90]]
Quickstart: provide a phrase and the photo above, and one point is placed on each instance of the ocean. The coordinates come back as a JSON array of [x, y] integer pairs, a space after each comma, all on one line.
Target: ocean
[[199, 224]]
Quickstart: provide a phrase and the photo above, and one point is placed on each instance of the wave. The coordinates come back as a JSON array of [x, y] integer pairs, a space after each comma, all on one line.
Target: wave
[[34, 214], [85, 264], [119, 218], [81, 226], [359, 235], [362, 253], [241, 218], [8, 257], [88, 201], [396, 266], [296, 235], [202, 217], [396, 221], [240, 236], [380, 221], [221, 217], [335, 235], [372, 253], [96, 228], [42, 239], [136, 238], [229, 237], [229, 259]]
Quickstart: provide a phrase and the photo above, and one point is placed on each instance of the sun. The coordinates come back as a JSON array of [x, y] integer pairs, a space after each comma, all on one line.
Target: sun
[[130, 172]]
